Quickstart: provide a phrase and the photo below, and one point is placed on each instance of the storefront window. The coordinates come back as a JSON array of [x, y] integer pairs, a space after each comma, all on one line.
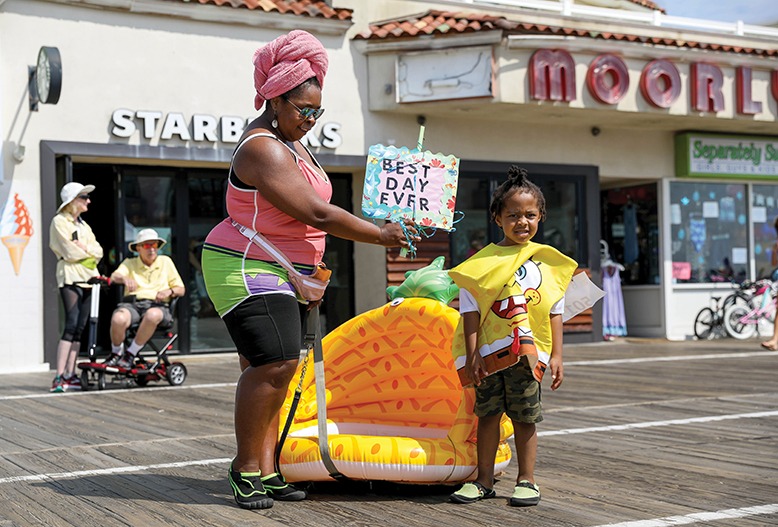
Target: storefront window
[[559, 228], [563, 196], [338, 304], [630, 227], [764, 212], [709, 232], [472, 232]]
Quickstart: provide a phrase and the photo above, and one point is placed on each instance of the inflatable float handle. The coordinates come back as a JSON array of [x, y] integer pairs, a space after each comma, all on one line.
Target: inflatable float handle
[[314, 328]]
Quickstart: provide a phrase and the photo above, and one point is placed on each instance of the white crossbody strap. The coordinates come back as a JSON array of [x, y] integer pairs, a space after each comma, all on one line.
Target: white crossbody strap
[[252, 136], [263, 242]]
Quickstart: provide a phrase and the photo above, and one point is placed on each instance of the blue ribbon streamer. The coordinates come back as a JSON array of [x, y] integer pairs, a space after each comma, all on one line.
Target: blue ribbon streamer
[[427, 232]]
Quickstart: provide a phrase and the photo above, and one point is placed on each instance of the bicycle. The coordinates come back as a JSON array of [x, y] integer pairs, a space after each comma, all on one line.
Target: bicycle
[[709, 322], [743, 322]]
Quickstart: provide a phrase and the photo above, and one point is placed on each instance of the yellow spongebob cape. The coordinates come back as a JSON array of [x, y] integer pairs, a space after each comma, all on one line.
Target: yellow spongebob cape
[[515, 288]]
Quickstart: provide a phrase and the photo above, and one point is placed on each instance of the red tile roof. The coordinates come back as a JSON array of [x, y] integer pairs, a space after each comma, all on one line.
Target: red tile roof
[[311, 8], [431, 22], [443, 23]]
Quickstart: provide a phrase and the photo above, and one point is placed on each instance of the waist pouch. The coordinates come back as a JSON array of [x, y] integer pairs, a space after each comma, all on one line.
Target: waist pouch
[[309, 287], [89, 263]]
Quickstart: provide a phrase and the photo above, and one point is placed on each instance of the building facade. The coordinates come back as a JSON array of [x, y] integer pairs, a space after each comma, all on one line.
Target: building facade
[[658, 136]]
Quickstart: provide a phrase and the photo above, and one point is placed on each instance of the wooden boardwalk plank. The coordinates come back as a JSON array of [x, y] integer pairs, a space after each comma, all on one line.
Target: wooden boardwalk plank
[[587, 478]]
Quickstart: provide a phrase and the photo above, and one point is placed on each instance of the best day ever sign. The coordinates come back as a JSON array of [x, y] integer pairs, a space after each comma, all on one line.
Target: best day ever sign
[[402, 183]]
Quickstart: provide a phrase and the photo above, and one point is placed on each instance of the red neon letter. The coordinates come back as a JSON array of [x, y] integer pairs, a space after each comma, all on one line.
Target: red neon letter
[[660, 83], [608, 78], [552, 75], [707, 80], [745, 104]]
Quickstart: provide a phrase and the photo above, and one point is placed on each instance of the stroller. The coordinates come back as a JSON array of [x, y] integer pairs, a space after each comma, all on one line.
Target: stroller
[[143, 371]]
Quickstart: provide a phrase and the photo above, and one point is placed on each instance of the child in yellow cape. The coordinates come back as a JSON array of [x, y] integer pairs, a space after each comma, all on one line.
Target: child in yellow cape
[[511, 298]]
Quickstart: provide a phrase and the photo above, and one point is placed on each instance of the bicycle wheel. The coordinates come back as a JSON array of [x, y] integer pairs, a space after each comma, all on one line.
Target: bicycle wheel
[[703, 324], [734, 322], [739, 298]]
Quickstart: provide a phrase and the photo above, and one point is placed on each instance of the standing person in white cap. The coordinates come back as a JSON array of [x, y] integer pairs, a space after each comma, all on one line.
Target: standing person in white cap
[[151, 282], [77, 250]]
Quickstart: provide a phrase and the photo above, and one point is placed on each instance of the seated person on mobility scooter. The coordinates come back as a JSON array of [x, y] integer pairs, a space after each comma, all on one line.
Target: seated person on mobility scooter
[[151, 282]]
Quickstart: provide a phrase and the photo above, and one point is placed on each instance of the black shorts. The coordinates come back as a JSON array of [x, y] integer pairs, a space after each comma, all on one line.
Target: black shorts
[[138, 308], [268, 328]]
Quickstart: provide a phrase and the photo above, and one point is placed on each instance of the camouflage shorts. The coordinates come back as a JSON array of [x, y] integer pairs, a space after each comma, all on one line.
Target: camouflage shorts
[[513, 391]]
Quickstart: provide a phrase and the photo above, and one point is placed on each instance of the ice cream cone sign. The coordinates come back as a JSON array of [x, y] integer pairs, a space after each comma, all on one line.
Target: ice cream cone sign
[[15, 230]]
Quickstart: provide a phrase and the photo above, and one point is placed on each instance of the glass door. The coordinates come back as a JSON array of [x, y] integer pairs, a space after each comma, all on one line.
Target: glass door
[[149, 201], [206, 208], [182, 205]]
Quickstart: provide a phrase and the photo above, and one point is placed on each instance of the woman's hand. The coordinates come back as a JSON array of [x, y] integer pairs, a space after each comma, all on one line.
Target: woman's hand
[[392, 234]]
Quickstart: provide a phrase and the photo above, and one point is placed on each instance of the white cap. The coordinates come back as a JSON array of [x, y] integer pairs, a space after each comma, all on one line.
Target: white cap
[[146, 235], [71, 191]]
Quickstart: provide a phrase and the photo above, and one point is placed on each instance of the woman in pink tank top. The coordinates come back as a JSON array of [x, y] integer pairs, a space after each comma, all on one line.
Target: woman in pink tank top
[[278, 189]]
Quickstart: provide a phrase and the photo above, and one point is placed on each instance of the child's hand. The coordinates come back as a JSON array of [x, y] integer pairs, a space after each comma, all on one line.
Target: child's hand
[[557, 371], [476, 369]]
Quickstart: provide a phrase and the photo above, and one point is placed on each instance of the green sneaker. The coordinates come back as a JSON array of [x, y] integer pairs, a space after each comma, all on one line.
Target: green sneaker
[[58, 384], [278, 489], [248, 490], [472, 492], [525, 494]]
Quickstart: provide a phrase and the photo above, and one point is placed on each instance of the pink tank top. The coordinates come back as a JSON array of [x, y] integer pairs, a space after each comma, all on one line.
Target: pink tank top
[[301, 243]]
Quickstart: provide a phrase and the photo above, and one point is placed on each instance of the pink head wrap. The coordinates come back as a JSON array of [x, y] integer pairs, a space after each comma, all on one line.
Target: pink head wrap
[[287, 62]]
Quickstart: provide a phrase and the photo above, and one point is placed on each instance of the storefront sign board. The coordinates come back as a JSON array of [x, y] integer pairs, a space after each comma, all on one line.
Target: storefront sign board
[[730, 156]]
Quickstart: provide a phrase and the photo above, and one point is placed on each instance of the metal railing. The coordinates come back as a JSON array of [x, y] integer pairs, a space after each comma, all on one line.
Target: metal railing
[[654, 18]]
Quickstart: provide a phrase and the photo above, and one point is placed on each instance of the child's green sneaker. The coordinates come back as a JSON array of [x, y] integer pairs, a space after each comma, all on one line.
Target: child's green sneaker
[[248, 490], [525, 494], [472, 492]]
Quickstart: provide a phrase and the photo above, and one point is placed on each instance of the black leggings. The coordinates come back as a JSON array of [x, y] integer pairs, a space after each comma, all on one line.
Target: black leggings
[[77, 302]]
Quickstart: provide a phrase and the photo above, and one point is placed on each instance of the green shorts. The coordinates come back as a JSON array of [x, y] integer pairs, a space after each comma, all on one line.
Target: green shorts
[[513, 391], [230, 278]]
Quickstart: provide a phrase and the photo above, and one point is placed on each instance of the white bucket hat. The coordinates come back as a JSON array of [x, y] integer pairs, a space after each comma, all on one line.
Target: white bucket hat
[[146, 235], [71, 191]]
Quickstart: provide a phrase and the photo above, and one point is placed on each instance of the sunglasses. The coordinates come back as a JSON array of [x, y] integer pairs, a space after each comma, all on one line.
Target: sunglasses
[[149, 245], [307, 112], [83, 196]]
